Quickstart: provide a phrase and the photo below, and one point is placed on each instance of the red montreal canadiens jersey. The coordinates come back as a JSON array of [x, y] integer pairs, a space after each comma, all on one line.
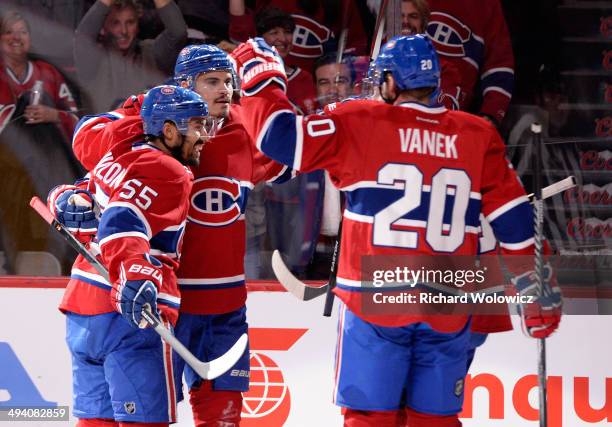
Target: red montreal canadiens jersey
[[54, 87], [144, 196], [416, 180], [211, 275], [478, 45], [310, 34], [93, 137]]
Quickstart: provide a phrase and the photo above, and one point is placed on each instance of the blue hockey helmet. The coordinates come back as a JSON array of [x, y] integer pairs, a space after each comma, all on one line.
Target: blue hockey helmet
[[197, 59], [412, 61], [170, 103]]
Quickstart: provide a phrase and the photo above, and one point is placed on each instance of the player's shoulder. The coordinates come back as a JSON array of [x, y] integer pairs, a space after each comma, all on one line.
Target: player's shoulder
[[353, 106], [471, 122]]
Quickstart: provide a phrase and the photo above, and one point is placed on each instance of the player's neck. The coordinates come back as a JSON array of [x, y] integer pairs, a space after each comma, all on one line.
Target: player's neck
[[404, 97]]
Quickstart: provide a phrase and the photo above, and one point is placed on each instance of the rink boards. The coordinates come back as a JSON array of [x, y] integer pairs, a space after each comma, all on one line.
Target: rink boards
[[292, 354]]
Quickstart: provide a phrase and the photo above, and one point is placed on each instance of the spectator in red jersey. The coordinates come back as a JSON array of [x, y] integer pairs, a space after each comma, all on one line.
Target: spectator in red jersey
[[276, 27], [120, 64], [317, 23], [49, 99], [472, 35]]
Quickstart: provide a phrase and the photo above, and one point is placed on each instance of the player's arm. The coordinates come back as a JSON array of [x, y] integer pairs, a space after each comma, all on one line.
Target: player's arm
[[241, 22], [497, 75], [507, 209], [169, 42], [87, 55], [137, 211], [304, 143]]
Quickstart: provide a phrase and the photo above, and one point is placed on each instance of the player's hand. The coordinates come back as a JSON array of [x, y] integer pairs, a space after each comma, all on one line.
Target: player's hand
[[76, 209], [35, 114], [140, 278], [541, 317], [257, 64]]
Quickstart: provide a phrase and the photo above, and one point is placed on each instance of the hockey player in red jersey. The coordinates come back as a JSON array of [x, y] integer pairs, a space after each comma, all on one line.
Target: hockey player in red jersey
[[123, 375], [211, 277], [392, 369]]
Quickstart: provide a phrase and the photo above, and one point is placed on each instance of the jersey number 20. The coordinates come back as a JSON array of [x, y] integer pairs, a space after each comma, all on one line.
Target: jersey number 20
[[441, 237]]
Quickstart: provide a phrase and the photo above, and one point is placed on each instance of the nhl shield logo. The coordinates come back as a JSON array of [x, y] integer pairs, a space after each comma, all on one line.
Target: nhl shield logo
[[459, 387], [130, 407]]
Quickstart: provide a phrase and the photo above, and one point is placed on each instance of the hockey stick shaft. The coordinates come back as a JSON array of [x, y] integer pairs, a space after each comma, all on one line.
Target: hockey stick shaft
[[329, 294], [206, 370], [536, 129]]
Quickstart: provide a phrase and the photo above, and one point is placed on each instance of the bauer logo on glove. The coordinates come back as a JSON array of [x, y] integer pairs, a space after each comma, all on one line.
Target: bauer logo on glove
[[257, 64]]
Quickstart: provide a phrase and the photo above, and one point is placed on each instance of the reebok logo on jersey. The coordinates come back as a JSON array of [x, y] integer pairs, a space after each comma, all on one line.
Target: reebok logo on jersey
[[421, 141]]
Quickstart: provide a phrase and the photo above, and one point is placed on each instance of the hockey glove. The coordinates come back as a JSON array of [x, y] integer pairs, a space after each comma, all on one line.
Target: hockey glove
[[139, 279], [542, 316], [257, 64], [76, 209]]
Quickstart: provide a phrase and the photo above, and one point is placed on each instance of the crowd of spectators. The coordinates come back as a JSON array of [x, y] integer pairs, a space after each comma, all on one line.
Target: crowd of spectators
[[105, 50]]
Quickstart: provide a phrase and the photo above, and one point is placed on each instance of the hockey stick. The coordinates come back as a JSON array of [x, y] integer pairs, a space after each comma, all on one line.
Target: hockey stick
[[206, 370], [306, 292], [329, 291], [536, 129]]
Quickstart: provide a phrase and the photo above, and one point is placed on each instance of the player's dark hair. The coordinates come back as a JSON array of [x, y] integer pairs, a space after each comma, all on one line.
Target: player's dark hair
[[330, 58], [418, 93], [272, 17]]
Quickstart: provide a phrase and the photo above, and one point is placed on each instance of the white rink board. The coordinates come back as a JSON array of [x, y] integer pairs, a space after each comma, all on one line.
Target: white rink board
[[34, 330]]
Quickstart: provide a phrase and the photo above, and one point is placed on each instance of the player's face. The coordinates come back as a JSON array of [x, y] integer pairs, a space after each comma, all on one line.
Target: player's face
[[15, 41], [122, 26], [412, 22], [333, 83], [281, 38], [194, 141], [216, 88]]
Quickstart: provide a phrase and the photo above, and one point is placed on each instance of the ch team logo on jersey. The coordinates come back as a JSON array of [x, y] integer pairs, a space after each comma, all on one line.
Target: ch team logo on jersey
[[448, 34], [215, 201], [308, 37]]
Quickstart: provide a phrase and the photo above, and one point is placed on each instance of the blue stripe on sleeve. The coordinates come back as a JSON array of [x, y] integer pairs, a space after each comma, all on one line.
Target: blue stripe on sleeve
[[280, 140], [119, 219], [515, 225]]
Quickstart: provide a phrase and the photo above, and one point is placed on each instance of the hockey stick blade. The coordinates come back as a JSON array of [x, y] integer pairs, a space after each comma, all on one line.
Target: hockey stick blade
[[556, 188], [306, 292], [292, 284], [206, 370]]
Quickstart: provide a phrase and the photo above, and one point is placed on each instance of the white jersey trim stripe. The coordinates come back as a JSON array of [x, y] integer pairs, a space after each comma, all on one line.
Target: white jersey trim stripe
[[168, 297], [121, 236], [505, 208], [91, 276], [299, 143], [518, 246], [496, 70], [497, 89]]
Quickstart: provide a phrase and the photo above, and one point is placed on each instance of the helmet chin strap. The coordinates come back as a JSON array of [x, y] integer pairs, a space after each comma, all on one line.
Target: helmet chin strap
[[176, 152], [387, 100]]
